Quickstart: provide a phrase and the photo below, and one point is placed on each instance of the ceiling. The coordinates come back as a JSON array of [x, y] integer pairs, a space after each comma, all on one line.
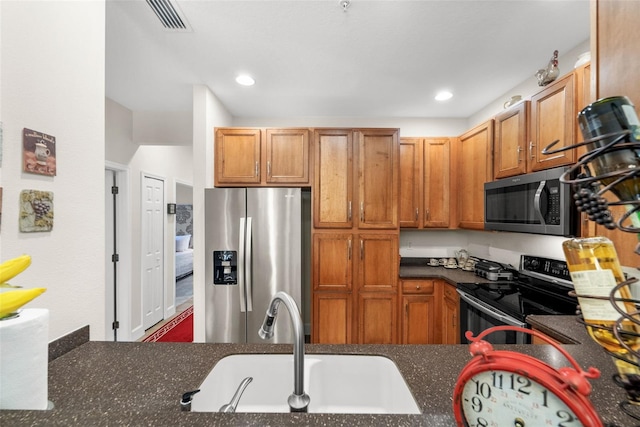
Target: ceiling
[[313, 59]]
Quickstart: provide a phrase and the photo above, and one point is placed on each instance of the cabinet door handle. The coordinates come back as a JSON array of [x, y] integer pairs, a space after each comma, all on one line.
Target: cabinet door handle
[[349, 250], [519, 150], [418, 287], [269, 169], [531, 145], [362, 211], [257, 169], [349, 211], [426, 214], [417, 212], [361, 249]]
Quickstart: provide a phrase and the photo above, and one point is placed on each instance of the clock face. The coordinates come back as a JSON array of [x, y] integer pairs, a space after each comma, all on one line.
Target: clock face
[[495, 398]]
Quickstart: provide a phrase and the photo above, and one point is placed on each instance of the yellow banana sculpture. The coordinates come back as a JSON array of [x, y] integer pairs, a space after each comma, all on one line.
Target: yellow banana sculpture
[[11, 268], [11, 301]]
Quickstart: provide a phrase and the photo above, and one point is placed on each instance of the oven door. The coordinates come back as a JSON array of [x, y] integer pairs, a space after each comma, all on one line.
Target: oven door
[[476, 316]]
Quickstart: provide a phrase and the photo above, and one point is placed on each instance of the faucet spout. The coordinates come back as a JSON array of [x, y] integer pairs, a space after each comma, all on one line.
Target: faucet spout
[[298, 400]]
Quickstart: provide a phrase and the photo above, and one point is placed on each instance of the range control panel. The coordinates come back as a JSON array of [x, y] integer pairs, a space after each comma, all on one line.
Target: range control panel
[[551, 268]]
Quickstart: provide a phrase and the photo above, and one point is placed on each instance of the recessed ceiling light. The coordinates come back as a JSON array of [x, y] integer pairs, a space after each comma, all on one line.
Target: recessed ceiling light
[[245, 80], [443, 95]]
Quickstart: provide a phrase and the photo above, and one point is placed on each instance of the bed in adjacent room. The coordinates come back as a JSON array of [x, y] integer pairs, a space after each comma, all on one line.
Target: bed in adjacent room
[[184, 256]]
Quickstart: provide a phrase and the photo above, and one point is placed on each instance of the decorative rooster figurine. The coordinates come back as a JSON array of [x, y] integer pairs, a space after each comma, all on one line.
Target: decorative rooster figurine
[[549, 74]]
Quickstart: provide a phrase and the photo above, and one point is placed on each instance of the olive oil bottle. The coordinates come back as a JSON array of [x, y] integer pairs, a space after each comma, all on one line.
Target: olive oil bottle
[[595, 271]]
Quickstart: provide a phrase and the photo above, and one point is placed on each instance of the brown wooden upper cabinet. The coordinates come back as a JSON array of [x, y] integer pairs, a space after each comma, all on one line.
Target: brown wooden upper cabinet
[[270, 157], [553, 117], [425, 169], [473, 170], [356, 179], [511, 140]]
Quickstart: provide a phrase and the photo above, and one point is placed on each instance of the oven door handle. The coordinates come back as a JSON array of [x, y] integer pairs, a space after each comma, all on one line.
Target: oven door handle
[[490, 311]]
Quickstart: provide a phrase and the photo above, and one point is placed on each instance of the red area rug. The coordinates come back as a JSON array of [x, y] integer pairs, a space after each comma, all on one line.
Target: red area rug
[[178, 329]]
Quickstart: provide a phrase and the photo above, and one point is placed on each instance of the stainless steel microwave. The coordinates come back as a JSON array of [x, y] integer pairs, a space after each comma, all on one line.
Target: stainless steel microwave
[[532, 203]]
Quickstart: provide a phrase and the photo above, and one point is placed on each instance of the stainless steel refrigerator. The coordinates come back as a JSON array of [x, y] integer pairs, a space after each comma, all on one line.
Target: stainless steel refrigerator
[[253, 250]]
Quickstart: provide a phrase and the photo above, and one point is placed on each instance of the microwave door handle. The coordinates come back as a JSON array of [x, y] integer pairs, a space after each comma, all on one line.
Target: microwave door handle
[[489, 311], [536, 201]]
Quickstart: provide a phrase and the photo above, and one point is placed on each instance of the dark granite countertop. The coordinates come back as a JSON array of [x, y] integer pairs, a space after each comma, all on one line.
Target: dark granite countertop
[[451, 275], [105, 383]]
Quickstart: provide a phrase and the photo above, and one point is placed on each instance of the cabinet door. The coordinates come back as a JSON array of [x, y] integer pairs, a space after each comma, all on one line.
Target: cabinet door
[[332, 262], [510, 141], [377, 313], [332, 318], [553, 117], [450, 316], [436, 184], [333, 183], [418, 319], [287, 156], [377, 178], [237, 156], [410, 206], [474, 169], [377, 262]]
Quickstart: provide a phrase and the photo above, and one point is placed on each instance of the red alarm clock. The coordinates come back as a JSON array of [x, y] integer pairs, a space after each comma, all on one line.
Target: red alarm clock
[[499, 388]]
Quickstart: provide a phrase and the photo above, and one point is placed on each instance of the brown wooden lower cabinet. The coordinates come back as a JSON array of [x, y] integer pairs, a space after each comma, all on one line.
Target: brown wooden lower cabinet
[[418, 311], [332, 317], [377, 314]]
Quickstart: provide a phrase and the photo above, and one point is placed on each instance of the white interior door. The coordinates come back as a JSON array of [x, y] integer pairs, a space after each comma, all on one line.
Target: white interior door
[[152, 250]]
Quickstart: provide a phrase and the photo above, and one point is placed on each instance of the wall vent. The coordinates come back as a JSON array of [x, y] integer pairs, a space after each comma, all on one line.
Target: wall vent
[[169, 15]]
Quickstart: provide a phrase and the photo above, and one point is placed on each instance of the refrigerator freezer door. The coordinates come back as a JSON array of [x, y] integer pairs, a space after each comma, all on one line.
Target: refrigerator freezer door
[[224, 208], [277, 256]]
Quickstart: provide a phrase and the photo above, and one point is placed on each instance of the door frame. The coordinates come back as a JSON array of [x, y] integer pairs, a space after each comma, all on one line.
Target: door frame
[[167, 309], [172, 236], [123, 236]]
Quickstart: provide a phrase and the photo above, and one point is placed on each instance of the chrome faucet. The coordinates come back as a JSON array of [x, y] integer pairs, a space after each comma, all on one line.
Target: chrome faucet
[[231, 406], [298, 400]]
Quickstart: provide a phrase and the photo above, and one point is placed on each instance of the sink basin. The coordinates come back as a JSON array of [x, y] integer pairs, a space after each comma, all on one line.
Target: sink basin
[[350, 384]]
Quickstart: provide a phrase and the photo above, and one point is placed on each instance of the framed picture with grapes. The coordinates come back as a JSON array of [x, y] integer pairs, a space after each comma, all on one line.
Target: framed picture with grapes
[[36, 211]]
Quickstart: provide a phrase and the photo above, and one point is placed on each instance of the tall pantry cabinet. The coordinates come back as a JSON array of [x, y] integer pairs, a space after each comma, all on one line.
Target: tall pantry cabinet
[[355, 236]]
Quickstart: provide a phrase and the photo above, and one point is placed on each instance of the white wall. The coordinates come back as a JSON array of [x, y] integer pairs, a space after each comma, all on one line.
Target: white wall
[[208, 113], [53, 74]]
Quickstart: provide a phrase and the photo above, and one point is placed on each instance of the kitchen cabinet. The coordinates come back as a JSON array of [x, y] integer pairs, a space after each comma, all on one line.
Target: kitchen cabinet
[[333, 178], [553, 117], [510, 141], [356, 184], [269, 157], [237, 156], [377, 314], [377, 154], [418, 308], [474, 168], [425, 182], [332, 317], [361, 265], [450, 315]]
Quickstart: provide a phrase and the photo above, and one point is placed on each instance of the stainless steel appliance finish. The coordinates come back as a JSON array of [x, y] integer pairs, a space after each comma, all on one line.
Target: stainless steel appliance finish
[[493, 270], [253, 250], [532, 203], [541, 287]]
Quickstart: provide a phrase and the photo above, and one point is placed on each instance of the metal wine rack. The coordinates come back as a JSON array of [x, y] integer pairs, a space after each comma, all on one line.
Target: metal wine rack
[[627, 328]]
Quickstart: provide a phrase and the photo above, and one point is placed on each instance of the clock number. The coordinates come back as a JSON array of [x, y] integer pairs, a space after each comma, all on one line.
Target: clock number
[[525, 383], [476, 404], [481, 422], [483, 389], [566, 417], [544, 398], [497, 380]]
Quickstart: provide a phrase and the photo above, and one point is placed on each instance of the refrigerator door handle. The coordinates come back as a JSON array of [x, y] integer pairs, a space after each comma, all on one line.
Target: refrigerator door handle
[[247, 266], [241, 263]]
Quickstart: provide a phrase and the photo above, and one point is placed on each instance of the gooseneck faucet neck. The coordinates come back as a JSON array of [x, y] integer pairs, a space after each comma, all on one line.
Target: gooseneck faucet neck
[[299, 400]]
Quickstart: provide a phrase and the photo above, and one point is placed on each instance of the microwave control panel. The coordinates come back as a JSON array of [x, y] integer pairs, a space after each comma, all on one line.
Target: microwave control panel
[[553, 212]]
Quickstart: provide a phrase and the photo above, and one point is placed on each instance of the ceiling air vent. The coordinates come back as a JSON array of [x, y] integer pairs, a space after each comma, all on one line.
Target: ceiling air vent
[[169, 14]]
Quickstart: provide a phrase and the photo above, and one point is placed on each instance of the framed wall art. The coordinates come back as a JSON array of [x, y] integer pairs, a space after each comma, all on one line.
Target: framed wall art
[[38, 152], [36, 211]]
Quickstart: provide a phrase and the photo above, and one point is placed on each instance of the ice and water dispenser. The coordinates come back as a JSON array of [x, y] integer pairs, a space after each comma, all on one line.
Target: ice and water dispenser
[[225, 267]]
